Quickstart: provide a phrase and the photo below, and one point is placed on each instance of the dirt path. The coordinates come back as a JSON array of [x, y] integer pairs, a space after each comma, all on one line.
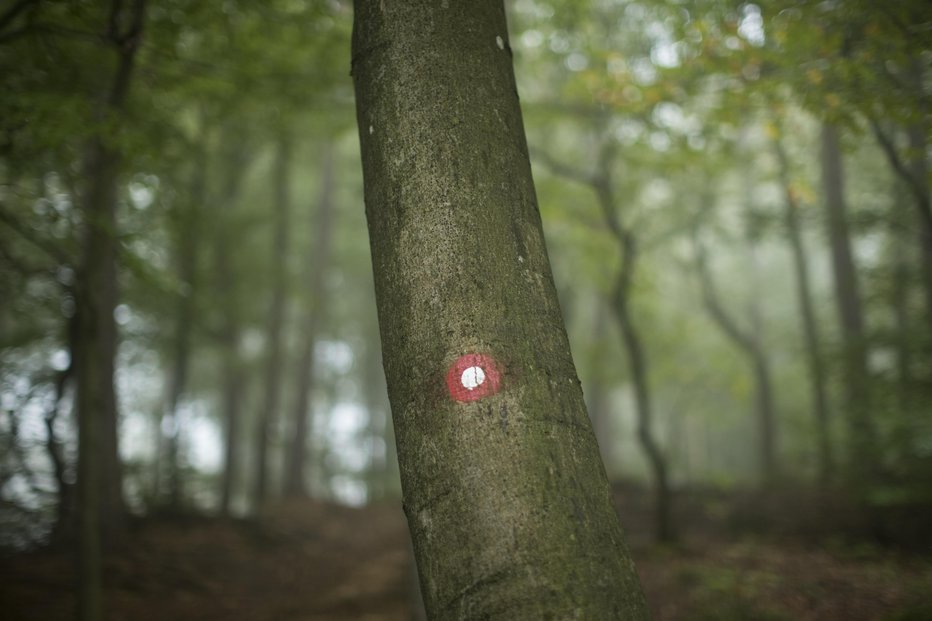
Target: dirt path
[[315, 561], [309, 561]]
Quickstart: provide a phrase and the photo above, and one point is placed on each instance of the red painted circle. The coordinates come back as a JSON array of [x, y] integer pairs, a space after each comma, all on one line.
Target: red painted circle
[[489, 386]]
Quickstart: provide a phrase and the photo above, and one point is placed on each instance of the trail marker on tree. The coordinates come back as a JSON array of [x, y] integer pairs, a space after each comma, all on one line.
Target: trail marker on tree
[[473, 377], [507, 500]]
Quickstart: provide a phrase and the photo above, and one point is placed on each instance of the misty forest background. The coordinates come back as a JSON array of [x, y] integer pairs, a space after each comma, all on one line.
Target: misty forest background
[[736, 200]]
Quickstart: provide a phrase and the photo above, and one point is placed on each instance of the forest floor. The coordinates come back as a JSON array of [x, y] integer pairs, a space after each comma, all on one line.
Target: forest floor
[[315, 561]]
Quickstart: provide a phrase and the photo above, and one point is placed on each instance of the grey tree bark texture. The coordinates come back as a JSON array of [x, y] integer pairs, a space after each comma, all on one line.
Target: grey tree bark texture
[[507, 500]]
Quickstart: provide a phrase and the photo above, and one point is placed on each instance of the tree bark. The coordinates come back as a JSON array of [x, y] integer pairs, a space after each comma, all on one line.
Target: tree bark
[[506, 497], [862, 457], [99, 492], [820, 406], [316, 305], [273, 369]]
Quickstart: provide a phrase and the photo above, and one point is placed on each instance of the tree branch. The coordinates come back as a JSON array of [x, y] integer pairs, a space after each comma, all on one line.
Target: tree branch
[[564, 170], [713, 304], [896, 162]]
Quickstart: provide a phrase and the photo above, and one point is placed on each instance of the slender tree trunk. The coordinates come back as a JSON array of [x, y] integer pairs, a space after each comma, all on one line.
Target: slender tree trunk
[[64, 519], [232, 394], [233, 377], [904, 357], [296, 457], [637, 362], [920, 182], [273, 369], [901, 222], [755, 341], [601, 184], [901, 256], [754, 351], [100, 494], [766, 415], [918, 133], [913, 171], [189, 234], [90, 404], [862, 458], [810, 326], [664, 529], [95, 300], [506, 497]]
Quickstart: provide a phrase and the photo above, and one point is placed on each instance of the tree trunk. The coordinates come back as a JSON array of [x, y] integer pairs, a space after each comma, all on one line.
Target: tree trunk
[[903, 335], [862, 458], [506, 497], [100, 482], [233, 377], [754, 340], [901, 223], [913, 171], [96, 344], [64, 518], [752, 348], [918, 132], [188, 222], [270, 405], [920, 182], [296, 457], [810, 325], [232, 394], [637, 361]]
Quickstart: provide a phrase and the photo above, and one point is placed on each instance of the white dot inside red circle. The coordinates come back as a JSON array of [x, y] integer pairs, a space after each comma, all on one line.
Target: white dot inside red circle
[[472, 378]]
